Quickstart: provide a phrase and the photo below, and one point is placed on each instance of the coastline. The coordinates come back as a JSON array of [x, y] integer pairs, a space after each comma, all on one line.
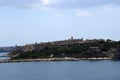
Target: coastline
[[52, 59]]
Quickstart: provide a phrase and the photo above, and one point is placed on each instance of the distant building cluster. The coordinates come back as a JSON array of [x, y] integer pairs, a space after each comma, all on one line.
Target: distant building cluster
[[63, 43], [40, 46]]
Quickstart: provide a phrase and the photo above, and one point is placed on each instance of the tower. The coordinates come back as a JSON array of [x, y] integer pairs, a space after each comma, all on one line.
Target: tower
[[72, 38]]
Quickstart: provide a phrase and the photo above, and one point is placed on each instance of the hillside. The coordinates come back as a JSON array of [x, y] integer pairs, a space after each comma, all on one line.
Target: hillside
[[7, 49], [75, 48]]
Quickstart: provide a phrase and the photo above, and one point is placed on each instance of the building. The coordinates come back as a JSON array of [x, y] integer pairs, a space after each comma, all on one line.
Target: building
[[28, 47]]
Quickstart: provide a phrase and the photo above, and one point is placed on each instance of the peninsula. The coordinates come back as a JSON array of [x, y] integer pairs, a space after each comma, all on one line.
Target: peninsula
[[71, 49]]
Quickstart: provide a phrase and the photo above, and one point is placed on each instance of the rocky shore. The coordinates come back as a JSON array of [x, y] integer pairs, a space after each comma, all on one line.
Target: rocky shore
[[52, 59]]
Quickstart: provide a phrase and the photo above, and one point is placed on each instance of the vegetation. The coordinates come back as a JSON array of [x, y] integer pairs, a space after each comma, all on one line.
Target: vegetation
[[99, 48]]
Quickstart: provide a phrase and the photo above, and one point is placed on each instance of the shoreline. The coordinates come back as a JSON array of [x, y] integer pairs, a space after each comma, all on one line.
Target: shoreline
[[52, 59]]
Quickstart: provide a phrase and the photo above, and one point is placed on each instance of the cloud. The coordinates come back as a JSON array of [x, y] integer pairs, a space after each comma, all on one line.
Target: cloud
[[47, 2], [21, 3], [26, 3], [113, 8], [83, 13], [58, 3], [83, 3]]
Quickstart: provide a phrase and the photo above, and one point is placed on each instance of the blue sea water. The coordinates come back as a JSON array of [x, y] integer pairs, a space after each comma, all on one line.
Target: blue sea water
[[61, 70], [2, 54]]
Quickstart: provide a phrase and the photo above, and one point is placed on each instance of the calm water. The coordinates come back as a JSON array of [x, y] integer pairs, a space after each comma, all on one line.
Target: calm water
[[64, 70], [2, 54]]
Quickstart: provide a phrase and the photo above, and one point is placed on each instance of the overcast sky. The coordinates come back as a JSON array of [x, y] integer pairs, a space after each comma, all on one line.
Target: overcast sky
[[30, 21]]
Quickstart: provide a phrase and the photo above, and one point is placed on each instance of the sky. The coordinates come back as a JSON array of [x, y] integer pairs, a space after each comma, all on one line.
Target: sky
[[29, 21]]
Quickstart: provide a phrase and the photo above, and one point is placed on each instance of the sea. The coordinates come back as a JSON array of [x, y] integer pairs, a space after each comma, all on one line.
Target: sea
[[61, 70], [2, 55]]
